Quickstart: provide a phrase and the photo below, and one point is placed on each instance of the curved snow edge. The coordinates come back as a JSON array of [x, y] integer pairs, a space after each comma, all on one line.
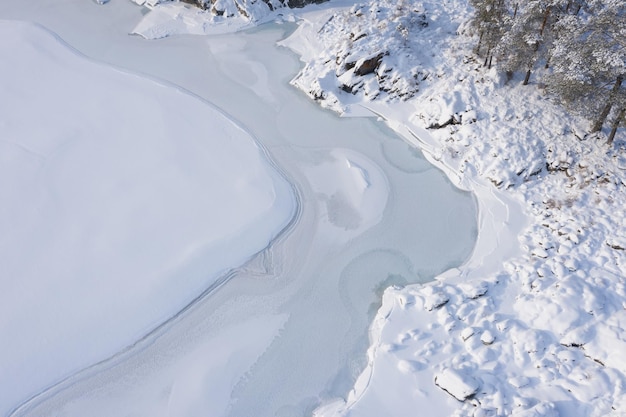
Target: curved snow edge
[[500, 219]]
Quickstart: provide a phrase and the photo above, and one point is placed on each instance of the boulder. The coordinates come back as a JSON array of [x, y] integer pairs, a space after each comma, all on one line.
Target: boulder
[[457, 384], [366, 66]]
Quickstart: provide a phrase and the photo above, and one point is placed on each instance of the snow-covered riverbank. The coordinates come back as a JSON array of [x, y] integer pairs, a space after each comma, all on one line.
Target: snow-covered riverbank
[[533, 331], [534, 323], [306, 299]]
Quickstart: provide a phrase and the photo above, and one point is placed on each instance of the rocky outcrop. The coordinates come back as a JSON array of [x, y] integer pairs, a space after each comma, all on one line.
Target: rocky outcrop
[[230, 8], [366, 66]]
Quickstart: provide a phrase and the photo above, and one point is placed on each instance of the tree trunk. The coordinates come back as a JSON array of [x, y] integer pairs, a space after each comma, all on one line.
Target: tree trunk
[[597, 126], [545, 20], [480, 41], [490, 58], [616, 123], [527, 78], [515, 11]]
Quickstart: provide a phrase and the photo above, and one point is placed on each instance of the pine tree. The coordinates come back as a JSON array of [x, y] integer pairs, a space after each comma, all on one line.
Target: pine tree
[[530, 35], [518, 47], [489, 21], [589, 60]]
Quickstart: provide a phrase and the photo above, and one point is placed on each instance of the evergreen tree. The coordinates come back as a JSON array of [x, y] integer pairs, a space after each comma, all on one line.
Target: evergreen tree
[[517, 50], [589, 61], [489, 21], [530, 35], [583, 42]]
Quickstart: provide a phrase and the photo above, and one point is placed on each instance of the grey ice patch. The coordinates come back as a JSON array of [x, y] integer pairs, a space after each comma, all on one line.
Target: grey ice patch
[[341, 213]]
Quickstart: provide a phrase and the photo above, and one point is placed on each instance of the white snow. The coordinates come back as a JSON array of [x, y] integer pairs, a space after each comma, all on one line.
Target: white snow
[[353, 192], [533, 324], [122, 200], [177, 18], [455, 383], [196, 381], [536, 316], [326, 278]]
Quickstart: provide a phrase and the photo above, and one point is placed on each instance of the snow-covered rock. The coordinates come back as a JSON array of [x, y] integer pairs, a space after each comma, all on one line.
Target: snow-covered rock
[[457, 384]]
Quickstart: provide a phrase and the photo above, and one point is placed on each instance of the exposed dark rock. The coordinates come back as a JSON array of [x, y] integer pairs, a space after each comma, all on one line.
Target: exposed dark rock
[[206, 4], [346, 88], [241, 10], [615, 246], [317, 95], [369, 65], [348, 66], [573, 344], [301, 3], [451, 121]]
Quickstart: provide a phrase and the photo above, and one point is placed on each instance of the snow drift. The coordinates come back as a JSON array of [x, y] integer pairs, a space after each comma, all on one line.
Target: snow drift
[[122, 200]]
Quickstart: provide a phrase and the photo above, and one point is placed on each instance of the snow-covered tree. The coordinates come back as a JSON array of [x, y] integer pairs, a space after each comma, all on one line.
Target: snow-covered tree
[[517, 49], [490, 23], [589, 61], [582, 42], [530, 34]]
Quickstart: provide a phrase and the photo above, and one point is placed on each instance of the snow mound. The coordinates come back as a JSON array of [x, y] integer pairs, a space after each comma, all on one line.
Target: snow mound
[[354, 191], [122, 201], [457, 384]]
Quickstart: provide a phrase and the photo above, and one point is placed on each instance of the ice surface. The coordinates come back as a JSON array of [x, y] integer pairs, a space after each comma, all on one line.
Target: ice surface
[[353, 188], [123, 200], [537, 314], [315, 290]]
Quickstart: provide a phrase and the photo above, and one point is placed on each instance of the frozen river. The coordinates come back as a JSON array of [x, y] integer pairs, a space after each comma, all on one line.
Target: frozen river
[[288, 329]]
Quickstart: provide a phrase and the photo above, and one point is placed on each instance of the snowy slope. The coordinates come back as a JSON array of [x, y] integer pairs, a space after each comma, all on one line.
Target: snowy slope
[[540, 334], [122, 200]]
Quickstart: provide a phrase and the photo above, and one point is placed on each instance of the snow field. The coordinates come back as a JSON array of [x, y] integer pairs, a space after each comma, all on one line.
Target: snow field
[[123, 199]]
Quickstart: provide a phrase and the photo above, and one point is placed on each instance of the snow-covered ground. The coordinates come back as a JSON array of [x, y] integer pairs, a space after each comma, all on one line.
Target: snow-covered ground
[[533, 323]]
